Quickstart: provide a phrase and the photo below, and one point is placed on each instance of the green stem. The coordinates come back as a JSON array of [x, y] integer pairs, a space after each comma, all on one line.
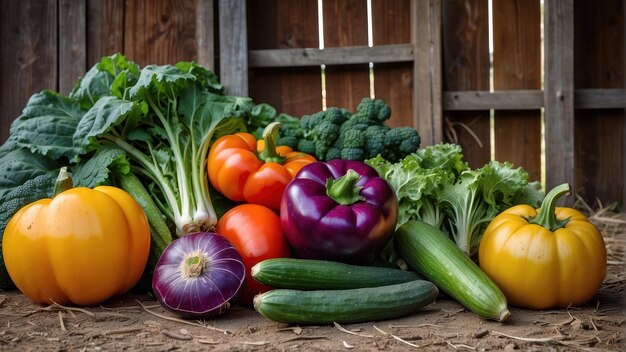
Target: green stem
[[547, 214], [63, 182], [270, 137], [344, 189]]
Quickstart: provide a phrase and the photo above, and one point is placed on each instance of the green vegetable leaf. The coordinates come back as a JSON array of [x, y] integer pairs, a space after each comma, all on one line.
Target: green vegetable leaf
[[159, 80], [97, 170], [47, 125], [21, 165], [107, 113]]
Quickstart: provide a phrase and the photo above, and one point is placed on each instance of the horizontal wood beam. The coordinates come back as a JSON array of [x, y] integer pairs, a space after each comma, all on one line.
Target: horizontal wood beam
[[330, 56], [530, 99]]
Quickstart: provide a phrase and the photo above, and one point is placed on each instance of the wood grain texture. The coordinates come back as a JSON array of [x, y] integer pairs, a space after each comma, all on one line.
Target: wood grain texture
[[205, 33], [426, 31], [345, 24], [233, 31], [28, 55], [160, 31], [466, 67], [559, 93], [72, 43], [517, 65], [105, 30], [391, 24], [600, 134], [284, 24]]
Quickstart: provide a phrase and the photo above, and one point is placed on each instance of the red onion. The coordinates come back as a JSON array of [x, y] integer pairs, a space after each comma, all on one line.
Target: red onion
[[198, 274]]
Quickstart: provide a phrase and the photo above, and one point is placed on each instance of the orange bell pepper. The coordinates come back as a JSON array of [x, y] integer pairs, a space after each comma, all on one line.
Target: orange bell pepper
[[246, 170]]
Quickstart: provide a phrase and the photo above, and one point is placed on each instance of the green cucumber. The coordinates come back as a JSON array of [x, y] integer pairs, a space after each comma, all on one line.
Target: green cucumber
[[345, 306], [310, 274], [430, 252]]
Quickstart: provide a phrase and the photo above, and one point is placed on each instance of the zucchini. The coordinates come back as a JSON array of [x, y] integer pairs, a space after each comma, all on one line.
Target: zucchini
[[431, 253], [310, 274], [345, 306]]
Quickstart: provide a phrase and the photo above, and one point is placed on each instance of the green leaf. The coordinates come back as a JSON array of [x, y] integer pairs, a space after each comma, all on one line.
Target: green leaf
[[47, 125], [205, 78], [107, 113], [97, 170], [32, 190], [21, 165], [156, 80]]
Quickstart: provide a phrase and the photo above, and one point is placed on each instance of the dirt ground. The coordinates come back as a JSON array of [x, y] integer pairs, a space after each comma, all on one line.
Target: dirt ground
[[136, 323]]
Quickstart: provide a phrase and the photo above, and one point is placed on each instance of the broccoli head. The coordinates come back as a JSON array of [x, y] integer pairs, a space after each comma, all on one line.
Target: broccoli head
[[352, 154], [375, 109], [306, 146], [333, 153], [375, 140], [336, 116], [400, 142], [325, 132], [353, 139], [289, 141]]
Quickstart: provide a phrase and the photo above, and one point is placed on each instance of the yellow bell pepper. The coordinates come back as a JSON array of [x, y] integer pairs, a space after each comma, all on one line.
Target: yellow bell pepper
[[82, 246], [551, 257]]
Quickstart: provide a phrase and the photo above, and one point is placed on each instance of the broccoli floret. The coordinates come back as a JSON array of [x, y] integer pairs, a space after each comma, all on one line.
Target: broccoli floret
[[352, 154], [326, 132], [353, 139], [308, 122], [336, 116], [375, 140], [306, 146], [375, 109], [333, 153], [405, 140], [321, 148]]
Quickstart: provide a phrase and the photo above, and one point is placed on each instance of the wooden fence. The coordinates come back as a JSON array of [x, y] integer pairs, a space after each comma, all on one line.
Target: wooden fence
[[552, 103]]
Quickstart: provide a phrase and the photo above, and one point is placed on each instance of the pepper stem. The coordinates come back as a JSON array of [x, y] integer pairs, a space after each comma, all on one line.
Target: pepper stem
[[270, 137], [63, 182], [547, 214], [344, 189], [194, 265]]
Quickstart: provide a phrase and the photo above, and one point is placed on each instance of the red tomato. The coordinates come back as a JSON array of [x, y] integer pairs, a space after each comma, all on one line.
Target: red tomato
[[257, 234]]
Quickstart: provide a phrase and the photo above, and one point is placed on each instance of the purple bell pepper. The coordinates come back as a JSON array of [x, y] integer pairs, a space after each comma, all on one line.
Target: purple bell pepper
[[340, 210]]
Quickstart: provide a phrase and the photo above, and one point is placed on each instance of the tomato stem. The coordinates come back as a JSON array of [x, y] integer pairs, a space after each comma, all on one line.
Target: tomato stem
[[63, 182], [270, 137], [547, 214], [344, 190]]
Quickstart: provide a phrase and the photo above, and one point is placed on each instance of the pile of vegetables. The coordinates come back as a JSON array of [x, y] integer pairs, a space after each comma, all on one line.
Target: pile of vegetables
[[220, 199]]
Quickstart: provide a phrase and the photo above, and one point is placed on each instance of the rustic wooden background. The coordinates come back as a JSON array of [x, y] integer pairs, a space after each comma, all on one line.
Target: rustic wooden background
[[431, 63]]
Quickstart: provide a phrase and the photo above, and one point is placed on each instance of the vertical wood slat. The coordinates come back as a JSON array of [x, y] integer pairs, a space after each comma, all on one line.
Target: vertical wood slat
[[205, 33], [72, 43], [517, 65], [28, 55], [391, 24], [105, 32], [160, 31], [233, 46], [599, 134], [345, 24], [466, 62], [559, 93], [426, 23], [280, 24]]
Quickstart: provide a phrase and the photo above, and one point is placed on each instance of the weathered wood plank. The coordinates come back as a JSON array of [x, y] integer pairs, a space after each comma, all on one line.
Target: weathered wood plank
[[426, 23], [517, 65], [160, 31], [391, 27], [345, 24], [330, 56], [599, 134], [522, 99], [559, 93], [205, 33], [233, 46], [28, 55], [466, 63], [105, 32], [72, 43], [285, 24]]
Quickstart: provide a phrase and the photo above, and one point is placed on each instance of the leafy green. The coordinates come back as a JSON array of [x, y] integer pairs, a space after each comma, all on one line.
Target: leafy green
[[436, 186]]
